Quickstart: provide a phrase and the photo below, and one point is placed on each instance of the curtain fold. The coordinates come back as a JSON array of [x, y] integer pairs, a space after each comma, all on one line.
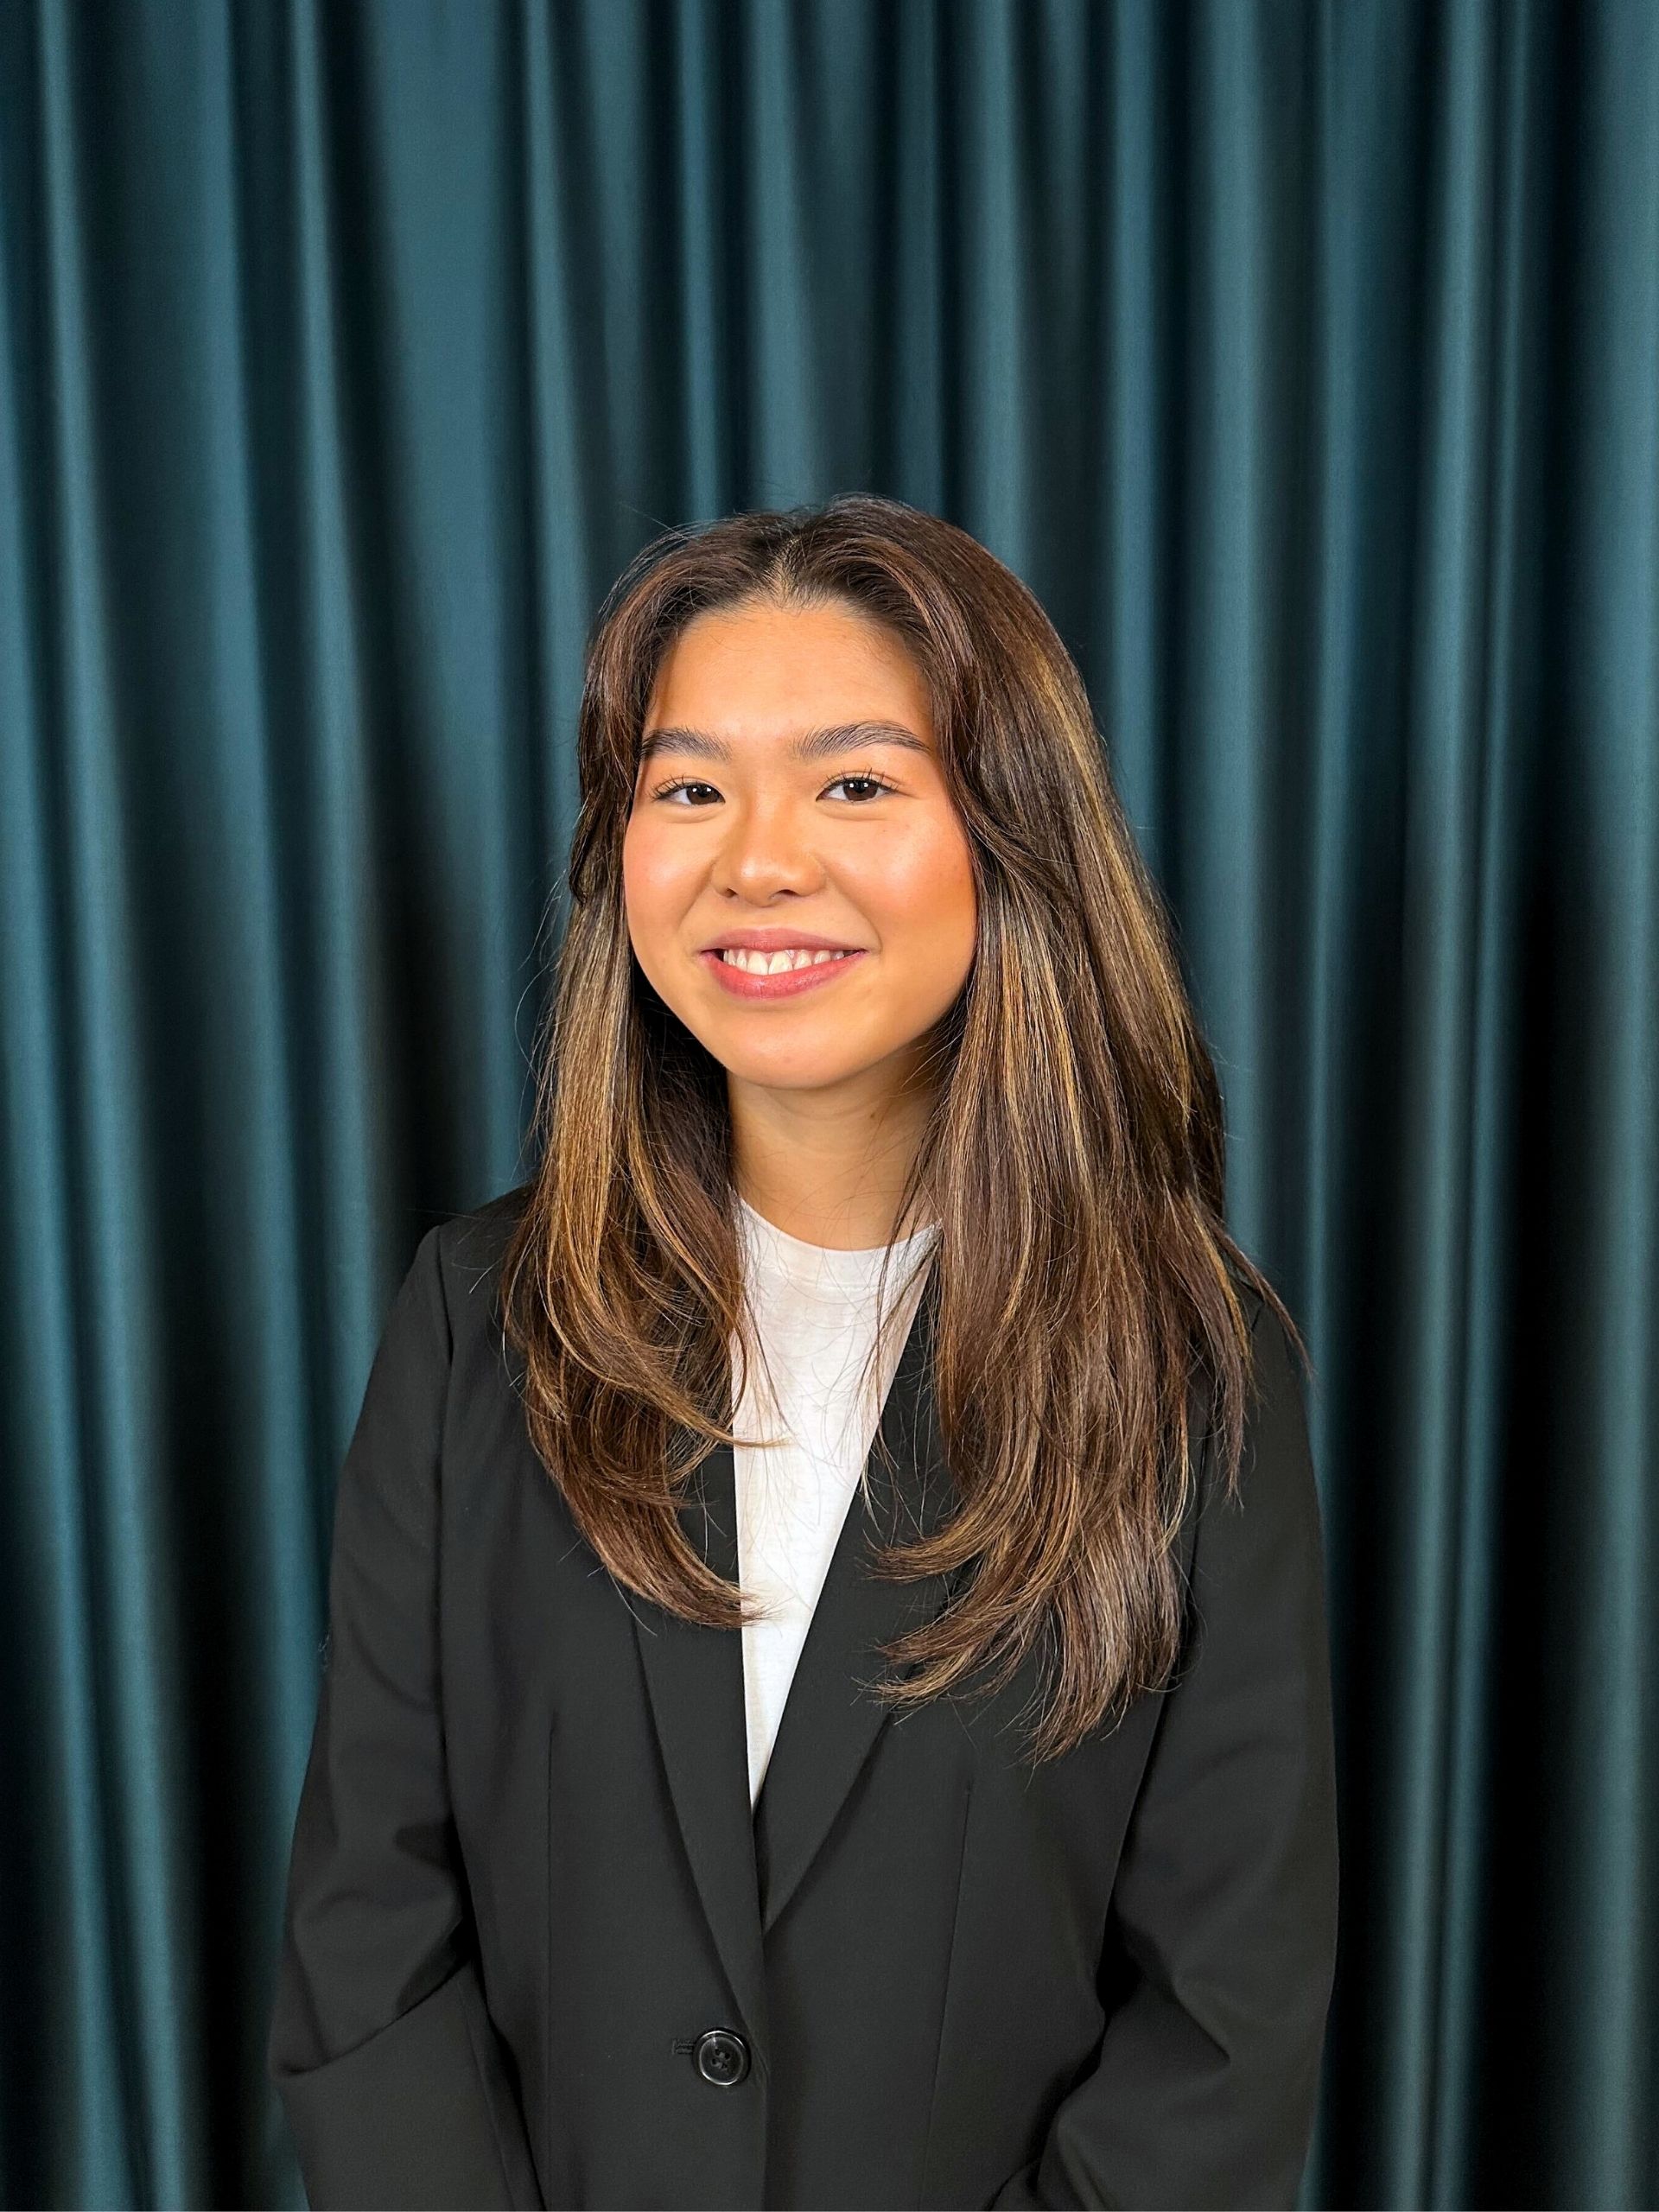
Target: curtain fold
[[1304, 359]]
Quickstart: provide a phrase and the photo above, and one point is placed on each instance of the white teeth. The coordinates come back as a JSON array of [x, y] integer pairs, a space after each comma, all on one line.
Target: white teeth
[[774, 963]]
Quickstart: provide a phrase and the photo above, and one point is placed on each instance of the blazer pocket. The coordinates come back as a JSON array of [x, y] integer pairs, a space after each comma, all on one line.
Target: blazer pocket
[[423, 2114]]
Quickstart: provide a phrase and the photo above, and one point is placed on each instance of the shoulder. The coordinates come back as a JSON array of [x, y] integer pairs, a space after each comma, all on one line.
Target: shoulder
[[1269, 1373], [1262, 1324], [1273, 1474], [463, 1257], [1249, 1297], [477, 1239]]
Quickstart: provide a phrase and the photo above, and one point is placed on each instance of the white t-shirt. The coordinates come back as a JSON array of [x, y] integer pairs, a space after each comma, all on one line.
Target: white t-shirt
[[815, 1312]]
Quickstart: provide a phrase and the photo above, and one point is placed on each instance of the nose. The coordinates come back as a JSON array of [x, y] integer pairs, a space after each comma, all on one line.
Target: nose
[[767, 846]]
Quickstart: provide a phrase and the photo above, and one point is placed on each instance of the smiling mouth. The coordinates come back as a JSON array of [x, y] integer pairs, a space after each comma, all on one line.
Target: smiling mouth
[[783, 962], [758, 976]]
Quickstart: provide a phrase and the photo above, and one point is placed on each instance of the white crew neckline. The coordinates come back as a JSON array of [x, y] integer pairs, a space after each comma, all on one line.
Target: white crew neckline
[[791, 1256]]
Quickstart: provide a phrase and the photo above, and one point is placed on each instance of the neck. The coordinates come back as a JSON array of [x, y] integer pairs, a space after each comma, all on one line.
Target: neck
[[832, 1178]]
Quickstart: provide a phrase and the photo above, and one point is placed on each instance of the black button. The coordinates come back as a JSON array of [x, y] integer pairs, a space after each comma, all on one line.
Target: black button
[[723, 2057]]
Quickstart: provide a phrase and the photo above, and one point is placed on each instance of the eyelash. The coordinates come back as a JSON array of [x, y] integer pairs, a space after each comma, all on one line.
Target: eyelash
[[851, 776]]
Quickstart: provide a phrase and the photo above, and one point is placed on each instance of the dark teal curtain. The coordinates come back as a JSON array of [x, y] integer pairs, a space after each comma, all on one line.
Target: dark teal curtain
[[1304, 359]]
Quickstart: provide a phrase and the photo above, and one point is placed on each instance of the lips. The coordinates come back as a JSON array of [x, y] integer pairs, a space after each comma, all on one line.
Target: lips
[[787, 983]]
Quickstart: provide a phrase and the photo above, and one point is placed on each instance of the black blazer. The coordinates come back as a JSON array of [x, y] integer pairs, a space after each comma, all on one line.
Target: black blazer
[[535, 1951]]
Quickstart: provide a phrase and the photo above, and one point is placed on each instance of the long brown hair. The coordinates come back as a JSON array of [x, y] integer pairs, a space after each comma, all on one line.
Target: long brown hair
[[1073, 1162]]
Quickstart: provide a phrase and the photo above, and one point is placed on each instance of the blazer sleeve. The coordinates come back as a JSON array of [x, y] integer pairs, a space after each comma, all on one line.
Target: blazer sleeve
[[396, 2084], [1205, 2091]]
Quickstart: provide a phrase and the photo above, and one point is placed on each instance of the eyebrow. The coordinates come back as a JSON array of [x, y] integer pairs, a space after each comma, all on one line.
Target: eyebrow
[[808, 745]]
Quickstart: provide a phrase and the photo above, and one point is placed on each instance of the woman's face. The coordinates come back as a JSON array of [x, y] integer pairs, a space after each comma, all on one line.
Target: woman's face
[[790, 787]]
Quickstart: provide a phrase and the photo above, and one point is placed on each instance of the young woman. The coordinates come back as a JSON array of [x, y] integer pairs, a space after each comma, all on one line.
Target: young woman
[[827, 1700]]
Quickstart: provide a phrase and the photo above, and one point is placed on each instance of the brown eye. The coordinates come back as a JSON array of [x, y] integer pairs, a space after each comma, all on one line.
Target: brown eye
[[877, 785]]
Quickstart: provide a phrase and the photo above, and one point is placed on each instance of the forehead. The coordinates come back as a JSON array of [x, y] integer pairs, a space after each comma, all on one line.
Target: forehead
[[762, 669]]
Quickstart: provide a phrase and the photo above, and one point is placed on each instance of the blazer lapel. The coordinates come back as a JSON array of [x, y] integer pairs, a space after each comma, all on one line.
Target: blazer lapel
[[695, 1678], [747, 1868], [830, 1722]]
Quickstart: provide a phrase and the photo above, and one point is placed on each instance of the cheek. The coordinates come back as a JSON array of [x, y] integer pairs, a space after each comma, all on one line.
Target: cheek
[[924, 892], [648, 874]]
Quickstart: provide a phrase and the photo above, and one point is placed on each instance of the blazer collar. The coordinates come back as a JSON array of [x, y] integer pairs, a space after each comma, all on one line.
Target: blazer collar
[[747, 1868]]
